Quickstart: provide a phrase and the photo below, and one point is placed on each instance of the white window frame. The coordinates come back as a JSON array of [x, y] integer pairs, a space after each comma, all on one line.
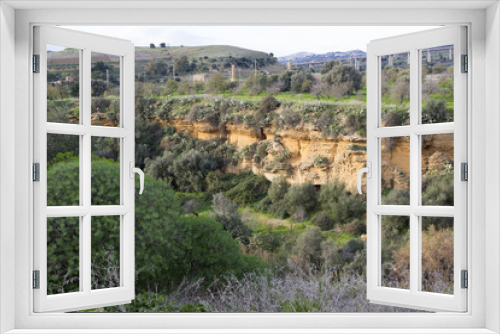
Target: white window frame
[[413, 44], [86, 297], [15, 259]]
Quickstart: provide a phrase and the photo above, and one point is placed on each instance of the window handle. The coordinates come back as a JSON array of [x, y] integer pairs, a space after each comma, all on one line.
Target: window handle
[[135, 170], [368, 171]]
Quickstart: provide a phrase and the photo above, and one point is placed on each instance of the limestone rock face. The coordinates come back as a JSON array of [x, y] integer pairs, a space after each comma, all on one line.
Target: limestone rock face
[[303, 154]]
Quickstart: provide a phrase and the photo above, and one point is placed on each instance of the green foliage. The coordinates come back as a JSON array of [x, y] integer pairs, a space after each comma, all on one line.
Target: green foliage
[[308, 246], [291, 118], [302, 195], [181, 65], [397, 197], [342, 205], [323, 220], [342, 80], [216, 84], [169, 246], [300, 82], [148, 136], [249, 190], [227, 214], [355, 147], [278, 189], [356, 227], [434, 111], [329, 66]]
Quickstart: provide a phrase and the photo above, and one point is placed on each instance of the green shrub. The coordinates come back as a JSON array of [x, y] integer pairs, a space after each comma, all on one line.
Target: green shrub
[[278, 189], [308, 247], [342, 205], [356, 227], [168, 247], [250, 189], [301, 195], [323, 220]]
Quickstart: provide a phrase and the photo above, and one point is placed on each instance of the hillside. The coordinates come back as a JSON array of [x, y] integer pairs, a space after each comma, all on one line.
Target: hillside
[[211, 51], [306, 57]]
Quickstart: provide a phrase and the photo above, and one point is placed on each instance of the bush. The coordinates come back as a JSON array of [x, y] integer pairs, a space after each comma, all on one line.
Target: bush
[[300, 214], [216, 84], [278, 189], [356, 227], [437, 260], [291, 117], [343, 77], [342, 205], [169, 246], [434, 111], [301, 195], [308, 247], [148, 136], [250, 189], [323, 220]]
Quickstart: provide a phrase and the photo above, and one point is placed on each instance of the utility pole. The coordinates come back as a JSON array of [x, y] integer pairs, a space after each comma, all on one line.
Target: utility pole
[[255, 76]]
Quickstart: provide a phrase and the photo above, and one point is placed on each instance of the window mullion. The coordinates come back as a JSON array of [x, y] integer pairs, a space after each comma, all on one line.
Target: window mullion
[[415, 267], [86, 241]]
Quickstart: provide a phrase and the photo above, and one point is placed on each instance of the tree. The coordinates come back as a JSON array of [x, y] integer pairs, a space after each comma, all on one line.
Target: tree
[[152, 45], [148, 136], [434, 111], [329, 66], [163, 45], [342, 205], [181, 65], [278, 189], [342, 80], [216, 84], [308, 247], [301, 195], [323, 220], [300, 82], [401, 89], [226, 213]]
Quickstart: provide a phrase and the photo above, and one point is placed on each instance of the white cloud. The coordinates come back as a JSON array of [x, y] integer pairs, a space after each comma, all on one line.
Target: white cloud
[[280, 40]]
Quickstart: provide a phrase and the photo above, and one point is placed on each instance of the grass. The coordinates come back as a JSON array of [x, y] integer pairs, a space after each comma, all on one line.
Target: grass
[[211, 51]]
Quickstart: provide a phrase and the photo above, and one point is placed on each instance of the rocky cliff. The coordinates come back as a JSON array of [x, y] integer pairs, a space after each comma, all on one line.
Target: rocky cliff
[[303, 154]]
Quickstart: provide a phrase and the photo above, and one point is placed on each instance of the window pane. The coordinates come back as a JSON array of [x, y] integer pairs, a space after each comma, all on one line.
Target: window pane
[[63, 170], [63, 255], [395, 169], [105, 106], [105, 252], [395, 89], [437, 84], [437, 169], [396, 252], [437, 254], [105, 171], [63, 84]]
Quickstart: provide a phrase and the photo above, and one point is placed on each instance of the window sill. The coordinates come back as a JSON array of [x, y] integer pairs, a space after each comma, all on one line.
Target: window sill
[[251, 331]]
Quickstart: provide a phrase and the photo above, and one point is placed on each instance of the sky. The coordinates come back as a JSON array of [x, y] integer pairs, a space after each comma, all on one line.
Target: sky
[[280, 40]]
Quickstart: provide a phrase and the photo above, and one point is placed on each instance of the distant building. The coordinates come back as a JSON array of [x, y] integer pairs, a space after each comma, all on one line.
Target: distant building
[[69, 79], [202, 77]]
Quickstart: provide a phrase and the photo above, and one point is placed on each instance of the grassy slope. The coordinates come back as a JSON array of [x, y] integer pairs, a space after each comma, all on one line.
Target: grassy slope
[[211, 51]]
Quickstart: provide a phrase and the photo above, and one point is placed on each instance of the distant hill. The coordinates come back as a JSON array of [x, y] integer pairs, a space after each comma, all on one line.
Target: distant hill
[[146, 53], [210, 51], [308, 57]]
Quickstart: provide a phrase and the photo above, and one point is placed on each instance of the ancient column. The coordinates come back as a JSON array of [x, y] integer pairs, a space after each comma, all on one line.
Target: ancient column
[[289, 65], [233, 73]]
